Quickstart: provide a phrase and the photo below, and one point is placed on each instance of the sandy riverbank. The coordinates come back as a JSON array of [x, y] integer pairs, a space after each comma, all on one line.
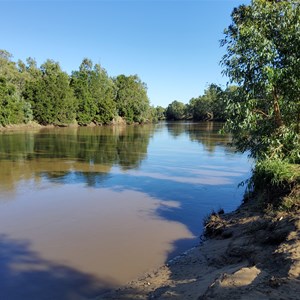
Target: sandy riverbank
[[249, 255]]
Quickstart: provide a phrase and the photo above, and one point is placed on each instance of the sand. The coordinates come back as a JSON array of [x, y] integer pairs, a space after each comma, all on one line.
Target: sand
[[248, 255]]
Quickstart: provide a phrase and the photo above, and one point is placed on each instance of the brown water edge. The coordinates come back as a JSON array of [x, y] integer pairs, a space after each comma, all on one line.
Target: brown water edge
[[72, 226]]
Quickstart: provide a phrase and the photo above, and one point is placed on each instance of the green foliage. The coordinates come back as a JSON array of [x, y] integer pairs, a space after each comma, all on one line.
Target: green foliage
[[13, 108], [51, 96], [263, 59], [275, 180], [159, 113], [10, 106], [102, 146], [176, 111], [199, 109], [210, 106], [273, 172], [213, 103], [104, 93], [94, 91], [131, 99], [80, 82]]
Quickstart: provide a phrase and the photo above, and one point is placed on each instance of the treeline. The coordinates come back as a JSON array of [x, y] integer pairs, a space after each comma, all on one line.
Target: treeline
[[210, 106], [48, 95]]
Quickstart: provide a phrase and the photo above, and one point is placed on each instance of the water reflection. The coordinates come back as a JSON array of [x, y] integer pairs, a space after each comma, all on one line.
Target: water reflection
[[114, 201], [125, 146], [56, 153], [89, 153], [206, 133]]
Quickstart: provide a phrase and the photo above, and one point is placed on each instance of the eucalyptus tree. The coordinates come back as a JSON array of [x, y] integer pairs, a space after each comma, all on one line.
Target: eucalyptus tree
[[263, 58]]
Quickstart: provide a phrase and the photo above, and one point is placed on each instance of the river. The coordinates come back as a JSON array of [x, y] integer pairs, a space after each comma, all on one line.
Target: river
[[83, 210]]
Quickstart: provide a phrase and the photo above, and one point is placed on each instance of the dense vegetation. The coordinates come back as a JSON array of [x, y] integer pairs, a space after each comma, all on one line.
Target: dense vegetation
[[48, 95], [263, 59], [210, 106]]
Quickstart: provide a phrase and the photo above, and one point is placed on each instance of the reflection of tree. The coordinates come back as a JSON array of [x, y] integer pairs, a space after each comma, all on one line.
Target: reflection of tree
[[132, 146], [206, 133], [16, 146], [57, 152], [176, 128]]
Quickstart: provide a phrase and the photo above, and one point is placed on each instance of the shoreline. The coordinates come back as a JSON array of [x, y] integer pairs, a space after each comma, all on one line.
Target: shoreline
[[29, 126], [118, 121], [34, 125], [249, 255]]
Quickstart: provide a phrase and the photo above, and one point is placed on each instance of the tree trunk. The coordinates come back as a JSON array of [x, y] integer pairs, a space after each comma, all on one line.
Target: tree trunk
[[298, 123], [277, 113]]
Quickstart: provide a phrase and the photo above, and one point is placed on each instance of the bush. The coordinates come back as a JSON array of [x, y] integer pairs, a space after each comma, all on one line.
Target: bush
[[275, 181]]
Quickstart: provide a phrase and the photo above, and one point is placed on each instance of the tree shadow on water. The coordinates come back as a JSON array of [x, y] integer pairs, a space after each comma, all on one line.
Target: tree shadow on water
[[25, 275]]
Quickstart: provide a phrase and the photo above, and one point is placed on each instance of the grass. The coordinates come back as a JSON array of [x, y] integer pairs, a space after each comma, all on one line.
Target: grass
[[276, 182]]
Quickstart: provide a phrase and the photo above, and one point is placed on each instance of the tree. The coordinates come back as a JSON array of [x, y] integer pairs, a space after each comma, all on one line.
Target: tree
[[214, 95], [95, 93], [103, 93], [199, 109], [131, 99], [13, 108], [176, 111], [160, 113], [80, 83], [209, 106], [51, 96], [262, 58]]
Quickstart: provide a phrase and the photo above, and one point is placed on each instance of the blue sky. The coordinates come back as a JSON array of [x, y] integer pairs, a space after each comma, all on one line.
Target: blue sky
[[173, 46]]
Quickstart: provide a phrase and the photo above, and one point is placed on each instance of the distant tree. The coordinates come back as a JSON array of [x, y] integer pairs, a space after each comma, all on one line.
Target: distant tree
[[197, 108], [131, 99], [81, 84], [176, 111], [210, 106], [13, 108], [160, 113], [51, 96], [215, 98], [95, 93], [8, 68], [10, 111], [103, 93]]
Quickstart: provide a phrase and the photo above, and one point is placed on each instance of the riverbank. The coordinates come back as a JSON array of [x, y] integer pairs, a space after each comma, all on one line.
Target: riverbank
[[118, 121], [27, 126], [249, 255]]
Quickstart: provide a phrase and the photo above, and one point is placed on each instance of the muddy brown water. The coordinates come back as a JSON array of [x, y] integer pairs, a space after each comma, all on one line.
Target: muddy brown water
[[84, 210]]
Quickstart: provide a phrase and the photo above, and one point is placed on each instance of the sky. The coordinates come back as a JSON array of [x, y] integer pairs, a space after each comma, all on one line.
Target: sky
[[172, 45]]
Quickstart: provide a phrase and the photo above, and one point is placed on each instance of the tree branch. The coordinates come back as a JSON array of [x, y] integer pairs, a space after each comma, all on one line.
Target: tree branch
[[261, 112]]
